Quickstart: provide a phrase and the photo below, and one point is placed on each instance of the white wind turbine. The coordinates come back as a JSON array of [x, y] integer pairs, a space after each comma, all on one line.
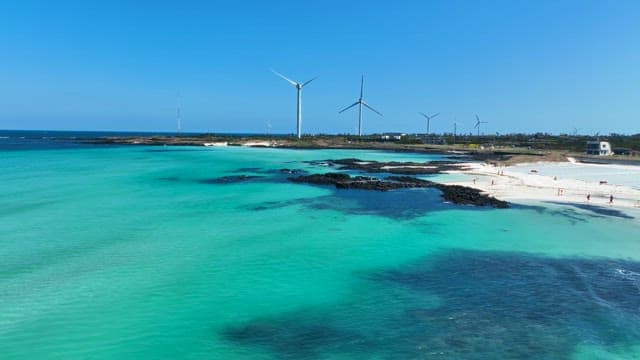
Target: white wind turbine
[[455, 128], [428, 119], [179, 115], [298, 86], [360, 104], [268, 124], [478, 122]]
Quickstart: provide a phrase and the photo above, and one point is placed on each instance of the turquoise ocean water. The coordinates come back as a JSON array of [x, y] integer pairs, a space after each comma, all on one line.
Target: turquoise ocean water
[[156, 253]]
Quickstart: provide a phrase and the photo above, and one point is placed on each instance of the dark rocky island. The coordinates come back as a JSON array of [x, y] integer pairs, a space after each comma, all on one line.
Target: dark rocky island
[[392, 167], [454, 193]]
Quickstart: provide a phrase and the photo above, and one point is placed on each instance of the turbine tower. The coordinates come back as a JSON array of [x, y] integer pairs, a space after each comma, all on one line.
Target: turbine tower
[[429, 119], [179, 116], [360, 104], [268, 125], [298, 86], [478, 122], [455, 128]]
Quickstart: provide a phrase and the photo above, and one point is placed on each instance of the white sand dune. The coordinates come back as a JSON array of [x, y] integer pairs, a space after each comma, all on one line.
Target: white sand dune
[[517, 184]]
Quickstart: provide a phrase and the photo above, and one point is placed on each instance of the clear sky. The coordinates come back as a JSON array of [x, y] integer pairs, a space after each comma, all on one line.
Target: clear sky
[[523, 66]]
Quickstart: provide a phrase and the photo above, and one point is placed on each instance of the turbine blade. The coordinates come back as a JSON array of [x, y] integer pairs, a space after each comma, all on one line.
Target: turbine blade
[[477, 117], [307, 82], [372, 109], [425, 115], [434, 115], [361, 86], [348, 107], [284, 77]]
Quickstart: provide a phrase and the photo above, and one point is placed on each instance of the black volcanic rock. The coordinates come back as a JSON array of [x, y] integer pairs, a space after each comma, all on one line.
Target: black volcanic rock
[[469, 196], [453, 193], [391, 167]]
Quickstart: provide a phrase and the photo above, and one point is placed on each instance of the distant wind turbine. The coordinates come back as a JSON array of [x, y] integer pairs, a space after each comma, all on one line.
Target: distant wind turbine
[[360, 104], [478, 122], [298, 86], [455, 128], [428, 119], [268, 124], [179, 115]]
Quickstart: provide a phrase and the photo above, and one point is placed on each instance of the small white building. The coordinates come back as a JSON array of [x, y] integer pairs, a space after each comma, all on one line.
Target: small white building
[[392, 136], [601, 148]]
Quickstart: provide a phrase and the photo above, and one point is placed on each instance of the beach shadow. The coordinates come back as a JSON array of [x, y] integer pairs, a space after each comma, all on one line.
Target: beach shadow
[[597, 210]]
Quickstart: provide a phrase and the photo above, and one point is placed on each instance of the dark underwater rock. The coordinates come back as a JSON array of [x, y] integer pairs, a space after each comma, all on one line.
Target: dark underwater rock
[[292, 171], [229, 179]]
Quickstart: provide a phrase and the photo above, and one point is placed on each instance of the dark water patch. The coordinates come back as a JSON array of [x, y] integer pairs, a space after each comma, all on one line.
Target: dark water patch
[[598, 210], [401, 204], [397, 204], [169, 178], [272, 205], [249, 169], [171, 149], [491, 305], [231, 179], [281, 337]]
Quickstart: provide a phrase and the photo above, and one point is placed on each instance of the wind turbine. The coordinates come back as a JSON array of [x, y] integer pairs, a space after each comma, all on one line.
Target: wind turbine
[[298, 86], [268, 124], [179, 115], [360, 104], [455, 128], [428, 119], [478, 122]]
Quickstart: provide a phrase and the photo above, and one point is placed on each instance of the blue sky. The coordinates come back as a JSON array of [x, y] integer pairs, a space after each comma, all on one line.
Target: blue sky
[[523, 66]]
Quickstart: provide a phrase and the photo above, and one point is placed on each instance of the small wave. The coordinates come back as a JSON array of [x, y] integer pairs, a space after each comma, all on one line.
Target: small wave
[[5, 137], [628, 274]]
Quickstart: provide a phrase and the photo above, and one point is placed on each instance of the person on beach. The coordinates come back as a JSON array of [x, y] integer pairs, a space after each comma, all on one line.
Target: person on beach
[[588, 197], [610, 199]]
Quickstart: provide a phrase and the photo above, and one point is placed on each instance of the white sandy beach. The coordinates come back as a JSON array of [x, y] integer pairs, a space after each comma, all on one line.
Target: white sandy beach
[[558, 182]]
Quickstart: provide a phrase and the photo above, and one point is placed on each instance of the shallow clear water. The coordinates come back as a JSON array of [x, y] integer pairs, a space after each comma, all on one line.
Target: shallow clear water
[[145, 253]]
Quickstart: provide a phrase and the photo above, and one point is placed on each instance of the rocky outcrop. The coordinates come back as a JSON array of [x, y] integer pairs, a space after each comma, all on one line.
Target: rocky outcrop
[[453, 193], [463, 195], [391, 167]]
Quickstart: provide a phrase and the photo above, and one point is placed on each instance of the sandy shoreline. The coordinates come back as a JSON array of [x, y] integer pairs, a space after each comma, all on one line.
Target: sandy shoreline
[[506, 183]]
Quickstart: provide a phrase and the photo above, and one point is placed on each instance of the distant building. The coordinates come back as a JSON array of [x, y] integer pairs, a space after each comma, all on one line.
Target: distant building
[[392, 136], [601, 148]]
